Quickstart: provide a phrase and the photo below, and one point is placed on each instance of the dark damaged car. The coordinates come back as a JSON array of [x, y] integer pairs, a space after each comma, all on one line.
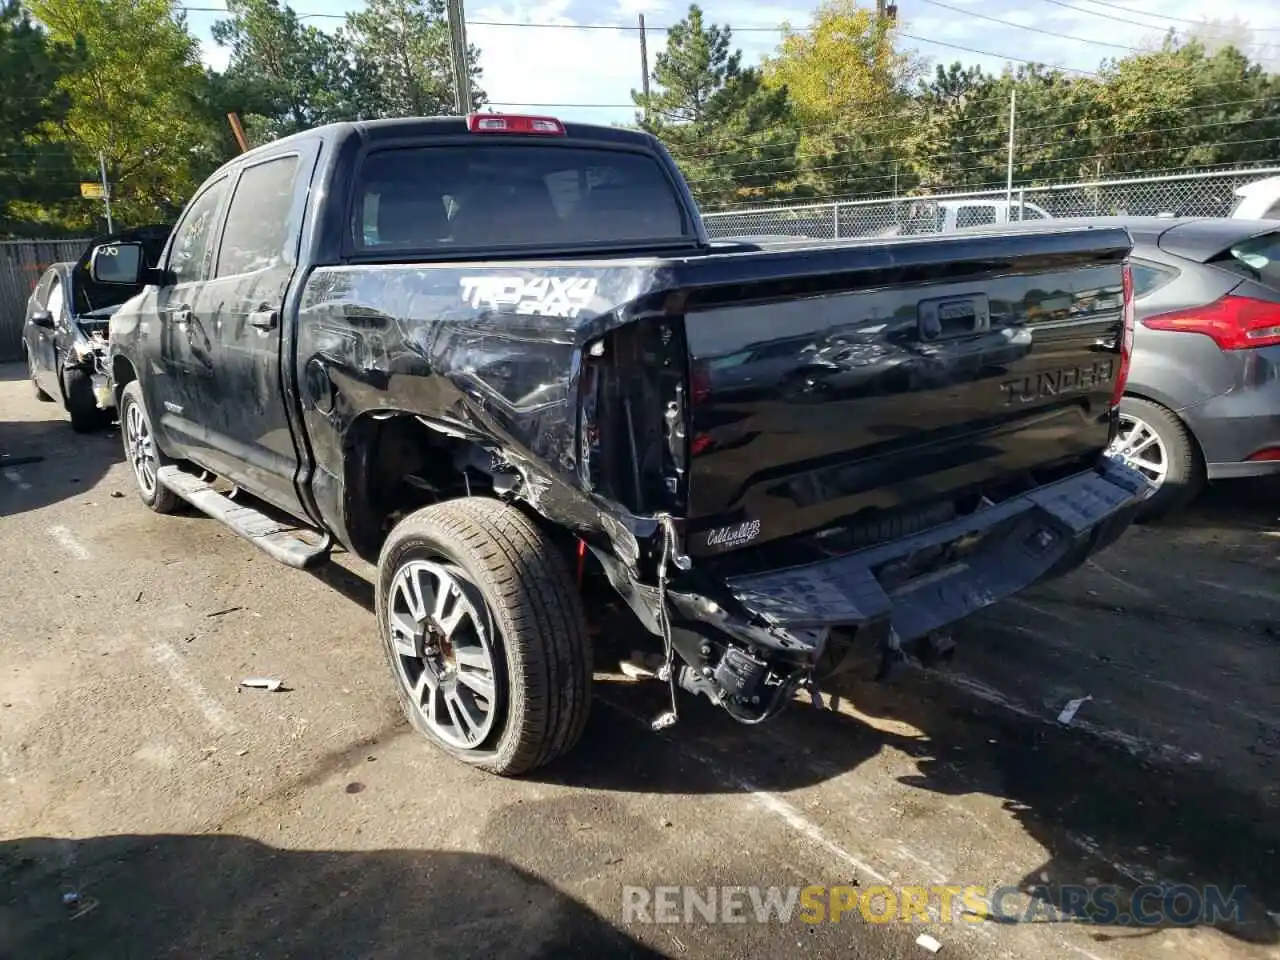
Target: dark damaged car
[[64, 336], [499, 357]]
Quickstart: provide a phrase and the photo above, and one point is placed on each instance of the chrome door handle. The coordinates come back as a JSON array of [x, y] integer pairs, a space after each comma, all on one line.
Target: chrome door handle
[[263, 319], [180, 314]]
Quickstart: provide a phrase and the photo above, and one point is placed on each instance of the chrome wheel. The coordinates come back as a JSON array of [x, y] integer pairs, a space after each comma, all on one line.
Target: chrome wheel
[[442, 637], [1140, 446], [141, 449]]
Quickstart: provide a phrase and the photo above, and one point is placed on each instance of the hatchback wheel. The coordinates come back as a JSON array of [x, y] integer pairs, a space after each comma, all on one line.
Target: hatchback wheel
[[1155, 442]]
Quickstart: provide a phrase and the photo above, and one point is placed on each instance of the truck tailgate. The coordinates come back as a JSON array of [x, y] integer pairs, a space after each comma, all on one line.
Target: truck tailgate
[[902, 382]]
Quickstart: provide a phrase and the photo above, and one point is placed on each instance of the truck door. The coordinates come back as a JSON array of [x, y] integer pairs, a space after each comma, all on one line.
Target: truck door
[[178, 328], [250, 440]]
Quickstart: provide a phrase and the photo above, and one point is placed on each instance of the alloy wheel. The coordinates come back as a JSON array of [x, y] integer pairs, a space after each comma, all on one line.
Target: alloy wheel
[[443, 639], [1141, 448], [141, 448]]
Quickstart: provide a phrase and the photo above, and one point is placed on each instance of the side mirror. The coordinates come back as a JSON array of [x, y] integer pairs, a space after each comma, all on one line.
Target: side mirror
[[117, 263], [42, 318]]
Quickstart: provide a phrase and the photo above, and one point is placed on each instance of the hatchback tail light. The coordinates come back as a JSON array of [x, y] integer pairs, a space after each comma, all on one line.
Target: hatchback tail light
[[1126, 336], [1233, 323]]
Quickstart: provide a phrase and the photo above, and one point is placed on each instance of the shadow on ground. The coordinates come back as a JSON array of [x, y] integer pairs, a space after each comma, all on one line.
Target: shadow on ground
[[1108, 816], [14, 368], [1249, 505], [230, 896], [29, 477], [1107, 813]]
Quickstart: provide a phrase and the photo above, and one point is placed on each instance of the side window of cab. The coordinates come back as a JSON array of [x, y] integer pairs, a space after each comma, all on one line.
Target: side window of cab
[[191, 249]]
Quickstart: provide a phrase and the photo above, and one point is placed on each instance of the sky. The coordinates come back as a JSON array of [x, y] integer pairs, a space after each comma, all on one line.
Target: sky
[[576, 71]]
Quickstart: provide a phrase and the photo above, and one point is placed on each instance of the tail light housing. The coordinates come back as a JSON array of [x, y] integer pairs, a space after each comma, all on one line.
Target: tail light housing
[[1126, 336], [515, 123], [1233, 323]]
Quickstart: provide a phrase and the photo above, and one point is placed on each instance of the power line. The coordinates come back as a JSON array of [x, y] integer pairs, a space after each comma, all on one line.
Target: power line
[[1135, 23], [997, 149], [782, 205], [998, 56], [1164, 16], [1023, 26], [1084, 121]]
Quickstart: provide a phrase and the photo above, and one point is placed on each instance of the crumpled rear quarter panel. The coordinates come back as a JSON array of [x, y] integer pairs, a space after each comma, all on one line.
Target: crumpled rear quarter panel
[[492, 351]]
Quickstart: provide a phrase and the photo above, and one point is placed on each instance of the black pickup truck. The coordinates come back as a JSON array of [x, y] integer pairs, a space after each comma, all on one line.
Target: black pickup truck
[[500, 357]]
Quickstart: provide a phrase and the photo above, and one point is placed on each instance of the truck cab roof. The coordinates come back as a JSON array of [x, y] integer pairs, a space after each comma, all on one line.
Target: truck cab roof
[[393, 129]]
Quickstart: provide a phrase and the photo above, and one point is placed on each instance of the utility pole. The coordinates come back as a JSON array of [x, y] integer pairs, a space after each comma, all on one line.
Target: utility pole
[[644, 67], [237, 131], [1008, 174], [458, 56], [106, 190]]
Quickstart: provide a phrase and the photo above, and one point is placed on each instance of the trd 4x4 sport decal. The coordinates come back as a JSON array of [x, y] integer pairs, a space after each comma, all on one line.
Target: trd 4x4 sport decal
[[536, 296]]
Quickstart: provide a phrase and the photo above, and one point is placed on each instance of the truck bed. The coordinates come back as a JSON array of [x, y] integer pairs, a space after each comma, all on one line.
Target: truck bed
[[805, 396]]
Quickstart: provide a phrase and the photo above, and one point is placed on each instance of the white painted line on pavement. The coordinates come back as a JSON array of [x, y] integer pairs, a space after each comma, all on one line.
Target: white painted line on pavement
[[69, 543], [774, 805], [1133, 744], [213, 711], [14, 477]]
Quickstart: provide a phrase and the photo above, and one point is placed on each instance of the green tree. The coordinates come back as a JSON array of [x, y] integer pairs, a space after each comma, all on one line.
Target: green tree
[[131, 97], [33, 170], [850, 91], [725, 129], [401, 55], [1179, 107], [288, 76]]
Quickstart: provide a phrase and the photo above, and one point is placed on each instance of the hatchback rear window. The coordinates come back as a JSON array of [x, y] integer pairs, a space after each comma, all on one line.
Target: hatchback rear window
[[1257, 258], [441, 198]]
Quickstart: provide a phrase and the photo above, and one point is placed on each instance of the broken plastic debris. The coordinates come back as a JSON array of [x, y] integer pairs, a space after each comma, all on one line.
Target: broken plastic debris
[[642, 666], [663, 721], [272, 684], [1069, 711], [929, 943]]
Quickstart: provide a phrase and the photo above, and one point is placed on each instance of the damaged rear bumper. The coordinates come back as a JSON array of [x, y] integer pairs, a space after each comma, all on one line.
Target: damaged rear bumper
[[779, 622], [925, 582]]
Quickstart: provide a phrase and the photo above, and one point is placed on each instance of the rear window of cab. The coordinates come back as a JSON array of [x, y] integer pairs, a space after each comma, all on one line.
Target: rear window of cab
[[436, 198]]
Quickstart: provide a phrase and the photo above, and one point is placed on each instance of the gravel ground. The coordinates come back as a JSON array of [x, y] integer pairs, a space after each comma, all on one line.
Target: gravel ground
[[191, 819]]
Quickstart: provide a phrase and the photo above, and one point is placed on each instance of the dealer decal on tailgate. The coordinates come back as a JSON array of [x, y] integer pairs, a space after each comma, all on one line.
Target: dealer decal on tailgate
[[734, 536]]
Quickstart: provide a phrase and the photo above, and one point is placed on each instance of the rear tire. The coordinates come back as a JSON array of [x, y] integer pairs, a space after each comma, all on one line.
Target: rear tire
[[86, 415], [521, 625], [1167, 453], [31, 372], [143, 454]]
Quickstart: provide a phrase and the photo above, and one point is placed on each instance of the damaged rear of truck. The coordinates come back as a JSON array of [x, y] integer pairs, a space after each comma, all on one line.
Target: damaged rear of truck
[[779, 457], [512, 363]]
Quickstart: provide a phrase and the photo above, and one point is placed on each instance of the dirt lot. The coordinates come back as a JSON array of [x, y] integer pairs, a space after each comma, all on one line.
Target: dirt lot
[[195, 820]]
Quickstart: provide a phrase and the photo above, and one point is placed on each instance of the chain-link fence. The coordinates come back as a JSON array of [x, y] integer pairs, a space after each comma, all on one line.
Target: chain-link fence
[[1199, 194], [21, 264]]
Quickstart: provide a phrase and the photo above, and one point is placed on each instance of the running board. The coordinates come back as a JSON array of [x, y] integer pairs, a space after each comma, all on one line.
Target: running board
[[294, 546]]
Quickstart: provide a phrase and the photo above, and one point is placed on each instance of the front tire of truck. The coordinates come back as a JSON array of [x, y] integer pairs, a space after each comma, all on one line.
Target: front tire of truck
[[143, 453], [485, 635]]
